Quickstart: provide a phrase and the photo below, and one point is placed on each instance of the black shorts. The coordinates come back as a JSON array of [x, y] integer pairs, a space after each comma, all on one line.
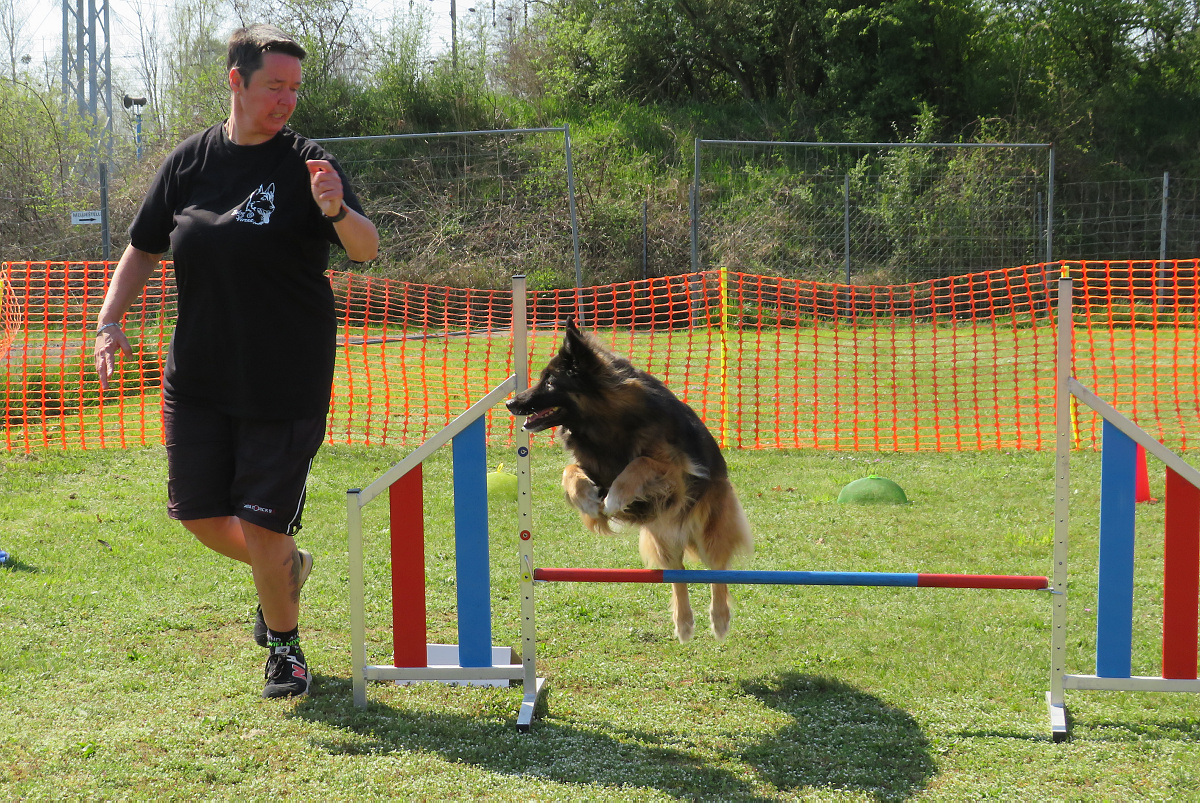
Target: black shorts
[[221, 465]]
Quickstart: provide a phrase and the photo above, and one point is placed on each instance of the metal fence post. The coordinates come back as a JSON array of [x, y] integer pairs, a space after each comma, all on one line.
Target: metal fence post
[[571, 205], [846, 224], [1050, 210], [1037, 212], [694, 210], [645, 240], [1164, 272], [106, 240]]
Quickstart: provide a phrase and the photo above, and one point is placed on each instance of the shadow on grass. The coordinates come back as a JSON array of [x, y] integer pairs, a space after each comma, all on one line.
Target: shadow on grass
[[842, 739], [14, 565], [549, 752], [1106, 730]]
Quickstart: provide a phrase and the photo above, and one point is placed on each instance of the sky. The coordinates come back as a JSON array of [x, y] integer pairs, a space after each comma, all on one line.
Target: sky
[[44, 28]]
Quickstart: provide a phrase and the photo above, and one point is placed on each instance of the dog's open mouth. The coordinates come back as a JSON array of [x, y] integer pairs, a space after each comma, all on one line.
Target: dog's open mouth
[[540, 419]]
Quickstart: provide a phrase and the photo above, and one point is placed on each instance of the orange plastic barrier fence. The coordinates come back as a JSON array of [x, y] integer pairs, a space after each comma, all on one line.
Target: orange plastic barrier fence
[[962, 363], [9, 316]]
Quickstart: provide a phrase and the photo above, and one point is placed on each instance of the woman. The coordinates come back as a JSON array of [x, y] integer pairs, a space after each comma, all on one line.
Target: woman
[[249, 209]]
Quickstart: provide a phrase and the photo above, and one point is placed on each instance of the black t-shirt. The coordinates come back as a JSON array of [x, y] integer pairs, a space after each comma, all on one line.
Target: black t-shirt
[[256, 324]]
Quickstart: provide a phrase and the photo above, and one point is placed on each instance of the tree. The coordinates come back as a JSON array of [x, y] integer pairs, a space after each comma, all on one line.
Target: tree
[[148, 62], [196, 93], [14, 24], [880, 60]]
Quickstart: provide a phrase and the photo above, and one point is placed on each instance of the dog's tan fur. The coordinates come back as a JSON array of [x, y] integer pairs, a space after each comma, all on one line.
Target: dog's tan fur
[[644, 458]]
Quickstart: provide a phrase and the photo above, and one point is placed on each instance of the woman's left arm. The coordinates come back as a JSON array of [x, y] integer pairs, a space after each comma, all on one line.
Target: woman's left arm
[[357, 233], [358, 236]]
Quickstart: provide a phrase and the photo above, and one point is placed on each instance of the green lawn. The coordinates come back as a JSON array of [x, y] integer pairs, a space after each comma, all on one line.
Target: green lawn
[[127, 670]]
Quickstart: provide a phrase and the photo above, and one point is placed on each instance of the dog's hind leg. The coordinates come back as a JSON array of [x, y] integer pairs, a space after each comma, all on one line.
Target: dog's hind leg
[[663, 548], [719, 612], [726, 534], [681, 612]]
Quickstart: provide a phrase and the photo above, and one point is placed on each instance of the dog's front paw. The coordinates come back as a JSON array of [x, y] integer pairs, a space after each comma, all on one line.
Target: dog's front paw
[[614, 504], [582, 493], [586, 499], [590, 506]]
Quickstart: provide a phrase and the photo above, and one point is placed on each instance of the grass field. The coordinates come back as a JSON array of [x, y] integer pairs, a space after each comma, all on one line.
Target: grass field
[[127, 670]]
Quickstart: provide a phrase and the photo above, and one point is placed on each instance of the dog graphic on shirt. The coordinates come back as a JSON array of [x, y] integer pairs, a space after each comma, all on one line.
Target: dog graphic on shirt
[[258, 206]]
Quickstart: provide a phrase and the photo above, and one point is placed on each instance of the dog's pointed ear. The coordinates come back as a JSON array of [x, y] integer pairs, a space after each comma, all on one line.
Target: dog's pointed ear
[[573, 339], [578, 350]]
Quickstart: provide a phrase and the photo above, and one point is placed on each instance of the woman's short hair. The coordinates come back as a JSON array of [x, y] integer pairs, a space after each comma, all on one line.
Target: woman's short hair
[[247, 45]]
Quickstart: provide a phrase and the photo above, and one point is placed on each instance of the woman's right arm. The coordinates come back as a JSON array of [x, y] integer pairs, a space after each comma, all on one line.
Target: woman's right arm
[[128, 281]]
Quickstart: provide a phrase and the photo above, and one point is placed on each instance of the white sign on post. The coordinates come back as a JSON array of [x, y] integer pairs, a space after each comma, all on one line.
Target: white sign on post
[[86, 217]]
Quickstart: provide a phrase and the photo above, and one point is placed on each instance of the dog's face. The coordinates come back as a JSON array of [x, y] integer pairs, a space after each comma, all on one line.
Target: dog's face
[[259, 207], [572, 374]]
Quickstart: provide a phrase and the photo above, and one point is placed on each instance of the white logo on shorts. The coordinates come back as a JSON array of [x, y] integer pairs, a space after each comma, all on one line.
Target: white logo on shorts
[[258, 509]]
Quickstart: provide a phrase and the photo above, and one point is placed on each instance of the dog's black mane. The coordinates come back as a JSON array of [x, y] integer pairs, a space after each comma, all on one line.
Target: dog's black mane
[[641, 410]]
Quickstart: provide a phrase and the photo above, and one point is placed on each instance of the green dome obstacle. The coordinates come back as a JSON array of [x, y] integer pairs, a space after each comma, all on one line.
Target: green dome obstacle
[[501, 484], [873, 490]]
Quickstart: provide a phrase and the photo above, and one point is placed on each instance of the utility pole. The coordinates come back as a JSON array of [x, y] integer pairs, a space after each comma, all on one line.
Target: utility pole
[[87, 76], [454, 35], [87, 61]]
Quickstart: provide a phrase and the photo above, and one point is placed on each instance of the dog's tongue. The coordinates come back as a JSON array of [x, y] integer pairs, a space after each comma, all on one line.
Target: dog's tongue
[[534, 417]]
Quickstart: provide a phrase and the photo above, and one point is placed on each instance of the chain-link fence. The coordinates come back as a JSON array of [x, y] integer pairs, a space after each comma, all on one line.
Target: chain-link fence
[[870, 213], [1153, 218], [470, 209]]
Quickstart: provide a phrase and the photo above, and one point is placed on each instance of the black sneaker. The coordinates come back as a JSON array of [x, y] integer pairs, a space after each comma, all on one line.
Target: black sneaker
[[260, 625], [286, 673]]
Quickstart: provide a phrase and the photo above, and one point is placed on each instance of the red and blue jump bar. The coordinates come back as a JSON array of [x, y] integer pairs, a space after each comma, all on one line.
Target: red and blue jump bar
[[790, 578]]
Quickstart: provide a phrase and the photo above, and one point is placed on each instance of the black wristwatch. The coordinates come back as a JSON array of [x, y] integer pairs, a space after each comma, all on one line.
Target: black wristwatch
[[339, 216]]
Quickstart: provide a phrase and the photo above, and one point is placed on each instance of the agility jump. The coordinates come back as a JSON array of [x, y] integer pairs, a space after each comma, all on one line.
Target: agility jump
[[1114, 603], [475, 661]]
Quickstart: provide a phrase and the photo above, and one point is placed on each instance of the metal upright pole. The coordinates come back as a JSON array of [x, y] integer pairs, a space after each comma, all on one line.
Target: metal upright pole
[[91, 56], [454, 35], [104, 232], [108, 107], [1164, 272], [66, 49], [1050, 211], [1162, 231], [1038, 229], [574, 221], [846, 225], [694, 210], [1062, 491], [645, 240], [532, 684], [358, 630]]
